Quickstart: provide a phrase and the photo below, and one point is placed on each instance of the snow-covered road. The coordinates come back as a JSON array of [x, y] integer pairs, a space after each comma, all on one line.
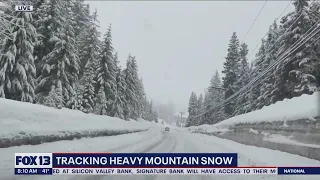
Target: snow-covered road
[[157, 140]]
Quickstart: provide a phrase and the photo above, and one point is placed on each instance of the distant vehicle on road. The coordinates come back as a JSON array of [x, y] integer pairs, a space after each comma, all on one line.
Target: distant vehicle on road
[[167, 129]]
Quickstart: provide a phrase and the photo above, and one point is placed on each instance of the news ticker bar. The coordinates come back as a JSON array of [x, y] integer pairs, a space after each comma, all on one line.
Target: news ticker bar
[[127, 160], [143, 164], [171, 171]]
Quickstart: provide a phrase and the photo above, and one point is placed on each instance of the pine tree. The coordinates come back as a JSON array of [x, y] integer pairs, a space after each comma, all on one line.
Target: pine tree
[[243, 78], [200, 109], [61, 65], [231, 71], [257, 69], [243, 100], [193, 104], [88, 93], [214, 110], [84, 26], [244, 66], [36, 5], [141, 98], [90, 51], [205, 108], [145, 113], [17, 69], [81, 16], [106, 72], [267, 85], [152, 115], [50, 21], [120, 103], [315, 63], [293, 75], [200, 102], [132, 90], [5, 20], [100, 102]]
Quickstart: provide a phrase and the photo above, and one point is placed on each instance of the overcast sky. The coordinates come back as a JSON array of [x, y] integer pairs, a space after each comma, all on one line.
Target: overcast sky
[[180, 44]]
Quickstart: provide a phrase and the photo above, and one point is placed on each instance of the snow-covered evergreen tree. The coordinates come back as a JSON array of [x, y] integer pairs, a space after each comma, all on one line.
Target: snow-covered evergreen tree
[[61, 65], [17, 69], [243, 78], [81, 16], [243, 99], [314, 65], [200, 109], [231, 71], [50, 21], [89, 51], [120, 103], [5, 20], [254, 90], [151, 113], [88, 93], [267, 85], [244, 66], [100, 102], [84, 30], [200, 103], [106, 72], [133, 87], [142, 97], [36, 5], [145, 112], [192, 110], [215, 96], [293, 75]]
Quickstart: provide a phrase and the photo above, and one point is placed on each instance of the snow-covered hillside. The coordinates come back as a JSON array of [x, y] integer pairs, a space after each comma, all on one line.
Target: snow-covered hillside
[[20, 120], [303, 107]]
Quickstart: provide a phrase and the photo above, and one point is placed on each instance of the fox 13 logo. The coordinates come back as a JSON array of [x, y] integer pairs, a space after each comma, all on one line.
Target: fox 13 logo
[[33, 160]]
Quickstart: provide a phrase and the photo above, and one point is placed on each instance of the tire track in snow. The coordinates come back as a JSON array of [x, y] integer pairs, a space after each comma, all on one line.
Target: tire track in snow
[[171, 146], [158, 145]]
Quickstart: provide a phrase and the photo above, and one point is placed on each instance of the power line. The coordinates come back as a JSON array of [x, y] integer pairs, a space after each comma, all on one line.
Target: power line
[[273, 65], [283, 57], [317, 39], [270, 48], [280, 59], [253, 51], [292, 48], [255, 20], [284, 9]]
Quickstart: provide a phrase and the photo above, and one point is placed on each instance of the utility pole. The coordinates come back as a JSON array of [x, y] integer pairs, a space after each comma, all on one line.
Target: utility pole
[[181, 113]]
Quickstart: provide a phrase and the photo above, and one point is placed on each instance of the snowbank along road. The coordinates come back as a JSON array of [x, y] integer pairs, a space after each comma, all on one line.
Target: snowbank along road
[[157, 140]]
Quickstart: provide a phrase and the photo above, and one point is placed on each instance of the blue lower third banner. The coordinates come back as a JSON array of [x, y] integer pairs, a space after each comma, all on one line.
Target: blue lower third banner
[[299, 170], [33, 171], [146, 160]]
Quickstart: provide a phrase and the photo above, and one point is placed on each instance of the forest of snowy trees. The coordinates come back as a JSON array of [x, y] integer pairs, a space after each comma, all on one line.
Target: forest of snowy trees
[[54, 57], [287, 65]]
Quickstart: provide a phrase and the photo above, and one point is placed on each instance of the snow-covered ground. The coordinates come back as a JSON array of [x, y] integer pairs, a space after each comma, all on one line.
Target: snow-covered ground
[[157, 140], [18, 120], [303, 107]]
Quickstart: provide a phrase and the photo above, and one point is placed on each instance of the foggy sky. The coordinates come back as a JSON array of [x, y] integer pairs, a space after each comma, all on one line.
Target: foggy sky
[[180, 44]]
